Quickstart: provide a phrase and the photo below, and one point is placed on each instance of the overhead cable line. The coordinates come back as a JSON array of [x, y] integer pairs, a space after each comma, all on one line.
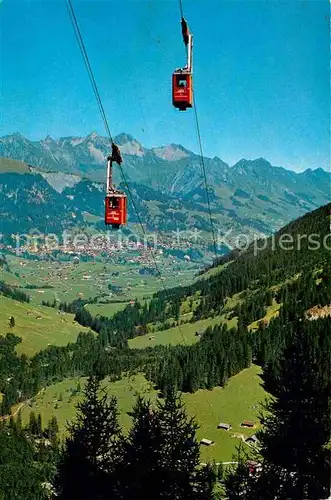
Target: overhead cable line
[[81, 44], [181, 9], [204, 175], [101, 108], [203, 169], [202, 160]]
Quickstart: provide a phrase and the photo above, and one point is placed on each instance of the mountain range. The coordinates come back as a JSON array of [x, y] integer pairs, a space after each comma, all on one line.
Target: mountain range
[[60, 180]]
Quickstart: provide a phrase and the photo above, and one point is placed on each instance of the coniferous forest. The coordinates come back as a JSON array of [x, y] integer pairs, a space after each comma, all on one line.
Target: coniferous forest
[[159, 458]]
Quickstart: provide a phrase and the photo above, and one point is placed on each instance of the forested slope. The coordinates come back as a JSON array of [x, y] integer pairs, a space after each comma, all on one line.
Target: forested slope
[[297, 279], [293, 348]]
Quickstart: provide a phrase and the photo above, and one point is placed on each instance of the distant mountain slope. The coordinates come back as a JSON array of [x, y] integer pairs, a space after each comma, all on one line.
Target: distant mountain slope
[[13, 166], [299, 249], [301, 245], [29, 202], [252, 287], [252, 197]]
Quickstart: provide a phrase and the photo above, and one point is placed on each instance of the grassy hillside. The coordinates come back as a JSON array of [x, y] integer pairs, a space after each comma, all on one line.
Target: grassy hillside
[[38, 326], [105, 309], [61, 399], [47, 281], [271, 312], [249, 289], [7, 165], [274, 256], [237, 401], [185, 334]]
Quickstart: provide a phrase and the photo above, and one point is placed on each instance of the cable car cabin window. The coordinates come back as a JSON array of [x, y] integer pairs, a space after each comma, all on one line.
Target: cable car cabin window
[[114, 202], [182, 83]]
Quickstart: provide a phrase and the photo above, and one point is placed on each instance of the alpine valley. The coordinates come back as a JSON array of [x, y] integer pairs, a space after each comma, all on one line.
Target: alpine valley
[[62, 182]]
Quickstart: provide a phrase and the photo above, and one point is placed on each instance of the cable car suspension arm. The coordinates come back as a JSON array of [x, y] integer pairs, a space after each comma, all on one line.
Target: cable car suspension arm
[[114, 157], [188, 41]]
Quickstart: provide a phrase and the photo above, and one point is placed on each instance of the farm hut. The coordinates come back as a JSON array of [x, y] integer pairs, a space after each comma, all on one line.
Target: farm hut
[[252, 439], [247, 423], [226, 427], [206, 442]]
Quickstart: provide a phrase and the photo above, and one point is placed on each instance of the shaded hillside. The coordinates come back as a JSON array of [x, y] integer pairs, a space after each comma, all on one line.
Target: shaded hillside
[[244, 289], [253, 274], [300, 247], [252, 198], [28, 202]]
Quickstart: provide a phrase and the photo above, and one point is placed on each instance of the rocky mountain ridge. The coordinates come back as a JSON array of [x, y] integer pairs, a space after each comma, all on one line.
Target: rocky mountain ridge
[[250, 197]]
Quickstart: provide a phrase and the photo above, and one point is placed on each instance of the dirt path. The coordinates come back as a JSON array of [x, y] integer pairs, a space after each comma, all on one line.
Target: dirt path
[[18, 409]]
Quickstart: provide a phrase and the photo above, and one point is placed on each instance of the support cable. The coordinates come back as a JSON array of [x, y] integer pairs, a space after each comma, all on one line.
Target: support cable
[[202, 160], [104, 117], [204, 175]]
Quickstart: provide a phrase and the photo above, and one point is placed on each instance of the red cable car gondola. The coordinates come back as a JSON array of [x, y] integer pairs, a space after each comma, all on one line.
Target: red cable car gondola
[[116, 209], [182, 80], [115, 201], [182, 91]]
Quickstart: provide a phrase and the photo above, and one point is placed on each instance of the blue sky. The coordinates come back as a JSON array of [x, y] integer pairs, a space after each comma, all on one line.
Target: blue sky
[[261, 74]]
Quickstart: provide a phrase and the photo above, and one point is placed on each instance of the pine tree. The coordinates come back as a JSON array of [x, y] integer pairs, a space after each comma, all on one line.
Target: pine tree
[[141, 474], [39, 425], [237, 480], [180, 449], [52, 432], [297, 425], [33, 426], [207, 476], [162, 454], [19, 422], [21, 476], [90, 458]]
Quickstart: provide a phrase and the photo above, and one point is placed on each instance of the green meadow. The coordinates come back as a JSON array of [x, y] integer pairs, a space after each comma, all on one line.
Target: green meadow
[[61, 399], [272, 312], [38, 326], [237, 401], [107, 310], [66, 280], [182, 334]]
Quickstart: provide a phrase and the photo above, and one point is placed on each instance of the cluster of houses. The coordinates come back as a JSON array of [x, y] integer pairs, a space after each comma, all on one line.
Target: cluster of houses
[[95, 247], [252, 466], [250, 440]]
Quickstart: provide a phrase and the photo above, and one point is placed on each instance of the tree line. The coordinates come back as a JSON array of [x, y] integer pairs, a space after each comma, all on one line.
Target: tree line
[[159, 457], [218, 355], [13, 293]]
